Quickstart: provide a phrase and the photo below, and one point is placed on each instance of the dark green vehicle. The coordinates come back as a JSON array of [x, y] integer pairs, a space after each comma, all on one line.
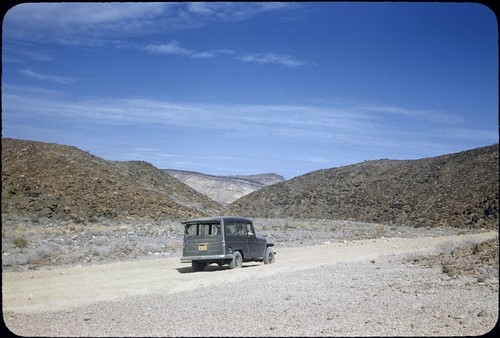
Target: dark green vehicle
[[223, 240]]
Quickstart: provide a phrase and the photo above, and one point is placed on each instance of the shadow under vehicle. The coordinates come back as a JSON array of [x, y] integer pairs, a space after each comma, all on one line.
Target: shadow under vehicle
[[224, 240]]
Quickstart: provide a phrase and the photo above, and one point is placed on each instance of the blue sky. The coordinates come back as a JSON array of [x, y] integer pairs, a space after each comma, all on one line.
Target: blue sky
[[246, 88]]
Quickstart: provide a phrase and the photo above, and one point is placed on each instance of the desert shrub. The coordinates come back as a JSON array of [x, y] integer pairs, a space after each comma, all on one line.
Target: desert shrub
[[302, 225], [49, 230], [19, 227], [72, 257], [100, 241], [124, 228], [154, 246], [14, 259], [172, 246], [470, 243], [379, 231], [488, 272], [20, 242], [45, 250], [446, 248], [102, 251]]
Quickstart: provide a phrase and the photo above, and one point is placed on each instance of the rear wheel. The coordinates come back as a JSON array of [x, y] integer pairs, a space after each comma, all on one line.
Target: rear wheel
[[269, 257], [237, 261], [198, 266]]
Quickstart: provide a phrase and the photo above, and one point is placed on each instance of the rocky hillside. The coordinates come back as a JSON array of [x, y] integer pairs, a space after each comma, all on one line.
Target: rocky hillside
[[458, 190], [43, 180], [224, 189]]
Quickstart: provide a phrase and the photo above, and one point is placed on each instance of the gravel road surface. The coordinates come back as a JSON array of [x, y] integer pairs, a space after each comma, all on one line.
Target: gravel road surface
[[353, 288]]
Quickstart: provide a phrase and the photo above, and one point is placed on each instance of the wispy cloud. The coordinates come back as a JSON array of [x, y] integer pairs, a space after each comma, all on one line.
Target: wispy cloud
[[67, 21], [270, 58], [171, 47], [73, 21], [46, 77], [324, 135], [113, 24], [174, 48], [346, 124]]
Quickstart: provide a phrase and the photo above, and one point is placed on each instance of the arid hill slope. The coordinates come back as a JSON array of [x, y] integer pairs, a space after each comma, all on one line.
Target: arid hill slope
[[458, 190], [224, 189], [44, 180]]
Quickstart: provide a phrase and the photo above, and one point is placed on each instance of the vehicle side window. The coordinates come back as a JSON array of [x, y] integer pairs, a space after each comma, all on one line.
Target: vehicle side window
[[230, 229], [250, 228], [239, 229]]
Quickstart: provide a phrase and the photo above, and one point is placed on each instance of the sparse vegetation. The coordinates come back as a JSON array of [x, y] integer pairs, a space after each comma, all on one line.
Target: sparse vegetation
[[79, 208], [479, 259], [20, 242], [104, 190], [457, 190]]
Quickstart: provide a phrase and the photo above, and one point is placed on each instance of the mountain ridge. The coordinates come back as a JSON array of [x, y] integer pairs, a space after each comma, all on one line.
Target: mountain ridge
[[224, 189], [59, 182], [458, 189]]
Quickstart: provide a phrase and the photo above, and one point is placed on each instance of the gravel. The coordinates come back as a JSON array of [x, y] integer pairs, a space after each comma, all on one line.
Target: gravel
[[350, 293], [383, 297]]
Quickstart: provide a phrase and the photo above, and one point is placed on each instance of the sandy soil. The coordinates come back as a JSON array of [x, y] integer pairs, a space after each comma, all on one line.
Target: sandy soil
[[71, 287], [58, 289]]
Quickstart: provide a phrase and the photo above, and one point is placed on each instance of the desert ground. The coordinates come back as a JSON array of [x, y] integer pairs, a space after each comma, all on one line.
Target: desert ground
[[392, 285]]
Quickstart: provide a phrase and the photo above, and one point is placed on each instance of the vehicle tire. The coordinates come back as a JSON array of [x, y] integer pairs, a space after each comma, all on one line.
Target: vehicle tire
[[237, 261], [269, 257], [198, 266]]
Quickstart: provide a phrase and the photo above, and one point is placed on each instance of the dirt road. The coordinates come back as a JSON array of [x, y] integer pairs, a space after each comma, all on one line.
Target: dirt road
[[65, 288]]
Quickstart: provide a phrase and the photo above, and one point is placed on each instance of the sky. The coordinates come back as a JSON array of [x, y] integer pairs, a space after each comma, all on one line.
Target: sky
[[240, 88]]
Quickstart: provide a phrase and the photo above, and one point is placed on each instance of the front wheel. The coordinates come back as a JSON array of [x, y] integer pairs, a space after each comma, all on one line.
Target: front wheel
[[237, 261], [269, 257]]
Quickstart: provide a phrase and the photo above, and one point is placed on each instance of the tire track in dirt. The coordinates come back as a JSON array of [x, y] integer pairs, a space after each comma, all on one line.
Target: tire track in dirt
[[65, 288]]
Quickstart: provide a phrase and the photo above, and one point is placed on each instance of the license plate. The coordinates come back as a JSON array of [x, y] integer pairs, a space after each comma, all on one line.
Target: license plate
[[202, 247]]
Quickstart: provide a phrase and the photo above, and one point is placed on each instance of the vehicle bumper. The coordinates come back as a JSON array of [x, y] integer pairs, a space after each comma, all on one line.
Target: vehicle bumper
[[188, 259]]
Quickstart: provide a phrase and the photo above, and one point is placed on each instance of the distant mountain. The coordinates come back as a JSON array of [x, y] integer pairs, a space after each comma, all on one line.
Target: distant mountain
[[224, 189], [45, 180], [458, 190]]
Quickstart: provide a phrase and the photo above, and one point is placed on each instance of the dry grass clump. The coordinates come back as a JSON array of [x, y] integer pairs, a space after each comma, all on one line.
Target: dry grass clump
[[471, 258], [31, 245], [20, 242]]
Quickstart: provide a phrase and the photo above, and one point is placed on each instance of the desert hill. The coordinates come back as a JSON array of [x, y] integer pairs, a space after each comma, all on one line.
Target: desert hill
[[224, 189], [458, 190], [44, 180]]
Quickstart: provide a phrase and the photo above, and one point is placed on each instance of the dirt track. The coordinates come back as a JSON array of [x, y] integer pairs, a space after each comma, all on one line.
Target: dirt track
[[63, 289]]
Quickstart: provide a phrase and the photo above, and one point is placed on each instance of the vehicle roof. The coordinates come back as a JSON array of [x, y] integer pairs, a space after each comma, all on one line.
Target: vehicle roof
[[217, 218]]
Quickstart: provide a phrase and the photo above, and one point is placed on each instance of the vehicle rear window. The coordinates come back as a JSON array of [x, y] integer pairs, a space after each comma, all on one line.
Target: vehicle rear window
[[203, 229]]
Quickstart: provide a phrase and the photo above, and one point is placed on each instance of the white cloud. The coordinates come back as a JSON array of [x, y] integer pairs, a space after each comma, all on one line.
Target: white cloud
[[347, 124], [314, 132], [430, 115], [266, 58], [112, 24], [70, 22], [46, 77], [171, 47], [205, 55], [174, 48]]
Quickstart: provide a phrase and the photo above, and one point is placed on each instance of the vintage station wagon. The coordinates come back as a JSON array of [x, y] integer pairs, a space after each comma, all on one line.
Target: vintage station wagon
[[223, 240]]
